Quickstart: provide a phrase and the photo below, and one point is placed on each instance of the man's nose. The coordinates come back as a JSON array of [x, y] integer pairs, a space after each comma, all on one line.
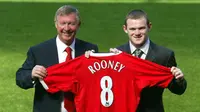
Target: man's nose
[[66, 27], [137, 32]]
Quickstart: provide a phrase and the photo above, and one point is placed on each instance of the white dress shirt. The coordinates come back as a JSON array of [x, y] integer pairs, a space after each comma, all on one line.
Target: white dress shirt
[[62, 54], [144, 48]]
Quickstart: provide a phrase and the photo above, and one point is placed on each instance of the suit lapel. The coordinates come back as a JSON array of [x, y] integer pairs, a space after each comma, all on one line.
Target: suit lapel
[[126, 48], [78, 50], [53, 54], [151, 53]]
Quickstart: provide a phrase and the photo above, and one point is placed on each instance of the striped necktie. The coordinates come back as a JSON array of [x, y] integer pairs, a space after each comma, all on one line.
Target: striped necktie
[[138, 53]]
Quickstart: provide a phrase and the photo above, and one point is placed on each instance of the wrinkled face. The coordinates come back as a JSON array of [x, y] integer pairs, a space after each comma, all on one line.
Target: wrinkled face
[[137, 30], [67, 26]]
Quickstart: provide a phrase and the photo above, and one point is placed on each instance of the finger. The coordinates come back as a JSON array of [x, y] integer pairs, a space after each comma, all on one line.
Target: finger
[[117, 50], [93, 50], [176, 74], [179, 77], [87, 54], [114, 50], [41, 73], [173, 68], [41, 69], [111, 50], [38, 76], [175, 71], [44, 72]]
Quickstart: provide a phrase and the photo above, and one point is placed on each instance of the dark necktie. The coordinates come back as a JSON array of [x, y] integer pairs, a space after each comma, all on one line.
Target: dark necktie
[[138, 53], [69, 53], [69, 97]]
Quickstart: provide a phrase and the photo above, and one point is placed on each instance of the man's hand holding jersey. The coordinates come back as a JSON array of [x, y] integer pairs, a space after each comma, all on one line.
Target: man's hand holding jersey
[[178, 74], [87, 53], [39, 72]]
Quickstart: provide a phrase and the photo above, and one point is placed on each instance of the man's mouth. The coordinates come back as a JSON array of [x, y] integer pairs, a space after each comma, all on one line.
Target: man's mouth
[[67, 33]]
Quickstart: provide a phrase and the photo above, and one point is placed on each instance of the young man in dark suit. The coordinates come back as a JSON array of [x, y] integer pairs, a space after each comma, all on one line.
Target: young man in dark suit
[[50, 52], [137, 26]]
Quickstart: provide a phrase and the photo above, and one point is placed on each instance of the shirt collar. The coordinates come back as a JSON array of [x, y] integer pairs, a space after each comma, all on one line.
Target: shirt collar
[[62, 46], [144, 48]]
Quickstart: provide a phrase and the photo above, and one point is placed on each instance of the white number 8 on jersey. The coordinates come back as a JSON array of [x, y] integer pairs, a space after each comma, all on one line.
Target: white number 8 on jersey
[[106, 102]]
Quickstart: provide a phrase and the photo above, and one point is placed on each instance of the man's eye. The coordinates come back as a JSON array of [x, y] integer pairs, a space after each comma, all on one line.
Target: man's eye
[[62, 23], [142, 28], [132, 29], [72, 23]]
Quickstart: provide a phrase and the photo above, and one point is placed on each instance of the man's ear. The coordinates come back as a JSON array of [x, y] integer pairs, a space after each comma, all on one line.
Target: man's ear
[[125, 28], [149, 25], [55, 24], [79, 23]]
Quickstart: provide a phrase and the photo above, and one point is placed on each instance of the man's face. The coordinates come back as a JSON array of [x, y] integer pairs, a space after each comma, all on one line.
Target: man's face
[[137, 30], [67, 26]]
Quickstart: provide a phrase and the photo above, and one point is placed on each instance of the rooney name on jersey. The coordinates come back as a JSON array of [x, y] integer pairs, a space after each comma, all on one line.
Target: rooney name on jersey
[[105, 64]]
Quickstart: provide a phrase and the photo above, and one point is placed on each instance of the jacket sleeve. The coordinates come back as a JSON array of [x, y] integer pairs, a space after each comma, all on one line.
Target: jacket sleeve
[[23, 74], [96, 49], [176, 86]]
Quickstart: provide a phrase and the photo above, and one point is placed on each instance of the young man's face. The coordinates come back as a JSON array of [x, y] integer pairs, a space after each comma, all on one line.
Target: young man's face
[[137, 30], [67, 26]]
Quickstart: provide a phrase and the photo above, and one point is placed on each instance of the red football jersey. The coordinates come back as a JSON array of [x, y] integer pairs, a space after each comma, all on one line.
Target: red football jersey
[[106, 82]]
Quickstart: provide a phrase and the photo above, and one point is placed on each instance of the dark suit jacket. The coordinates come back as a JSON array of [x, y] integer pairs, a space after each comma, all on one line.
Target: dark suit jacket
[[151, 98], [45, 54]]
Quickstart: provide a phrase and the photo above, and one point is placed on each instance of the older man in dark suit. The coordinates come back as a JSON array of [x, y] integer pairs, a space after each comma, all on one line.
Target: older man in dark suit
[[137, 26], [56, 50]]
